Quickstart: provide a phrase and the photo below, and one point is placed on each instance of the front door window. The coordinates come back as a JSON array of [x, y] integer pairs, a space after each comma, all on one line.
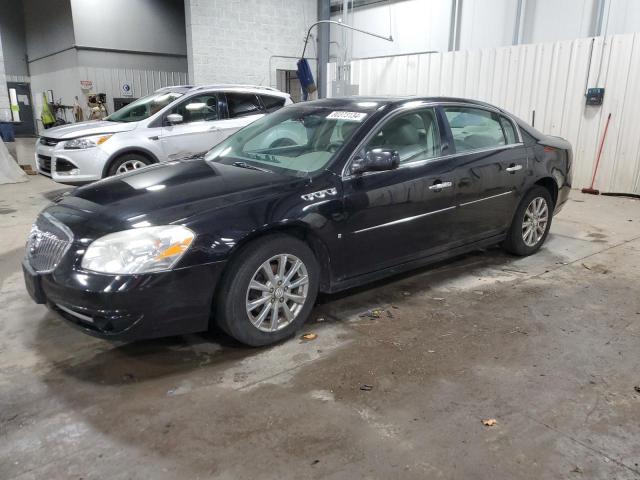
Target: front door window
[[201, 108], [414, 136]]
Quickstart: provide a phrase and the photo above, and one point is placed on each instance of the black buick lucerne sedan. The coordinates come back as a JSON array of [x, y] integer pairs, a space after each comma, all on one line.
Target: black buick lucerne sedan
[[246, 236]]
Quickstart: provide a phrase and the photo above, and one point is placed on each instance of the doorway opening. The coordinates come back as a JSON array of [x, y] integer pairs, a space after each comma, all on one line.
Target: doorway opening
[[287, 81], [21, 108]]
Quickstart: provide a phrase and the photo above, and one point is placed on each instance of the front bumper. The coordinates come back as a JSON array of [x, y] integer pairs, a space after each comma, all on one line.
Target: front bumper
[[129, 307], [70, 166]]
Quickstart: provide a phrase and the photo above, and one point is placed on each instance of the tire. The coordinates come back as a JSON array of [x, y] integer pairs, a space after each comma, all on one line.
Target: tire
[[255, 327], [530, 213], [134, 160]]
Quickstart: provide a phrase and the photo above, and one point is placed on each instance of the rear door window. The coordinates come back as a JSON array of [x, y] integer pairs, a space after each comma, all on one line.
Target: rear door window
[[477, 129], [243, 105], [271, 103]]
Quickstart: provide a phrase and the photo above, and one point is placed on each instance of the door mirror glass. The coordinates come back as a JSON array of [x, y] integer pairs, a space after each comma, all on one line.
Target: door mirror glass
[[174, 118], [376, 160]]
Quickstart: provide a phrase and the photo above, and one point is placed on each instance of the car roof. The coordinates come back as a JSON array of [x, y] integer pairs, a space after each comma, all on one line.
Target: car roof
[[259, 89], [371, 103]]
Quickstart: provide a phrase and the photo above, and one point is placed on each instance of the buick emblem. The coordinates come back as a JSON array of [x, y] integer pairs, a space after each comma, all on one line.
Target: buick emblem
[[34, 241]]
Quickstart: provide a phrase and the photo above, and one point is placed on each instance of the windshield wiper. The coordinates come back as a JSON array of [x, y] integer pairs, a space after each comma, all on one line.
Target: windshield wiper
[[250, 167], [193, 156]]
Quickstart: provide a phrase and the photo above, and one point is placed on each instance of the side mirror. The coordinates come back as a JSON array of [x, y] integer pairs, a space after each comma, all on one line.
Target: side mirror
[[174, 118], [376, 160]]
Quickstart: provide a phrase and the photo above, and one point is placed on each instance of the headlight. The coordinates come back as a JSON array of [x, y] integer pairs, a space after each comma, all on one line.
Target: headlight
[[140, 250], [87, 142]]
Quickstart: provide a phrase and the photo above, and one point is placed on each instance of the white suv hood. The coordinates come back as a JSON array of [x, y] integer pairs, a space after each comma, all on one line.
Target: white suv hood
[[93, 127]]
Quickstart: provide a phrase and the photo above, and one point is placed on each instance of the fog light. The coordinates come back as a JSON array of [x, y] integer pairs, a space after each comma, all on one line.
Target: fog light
[[74, 171]]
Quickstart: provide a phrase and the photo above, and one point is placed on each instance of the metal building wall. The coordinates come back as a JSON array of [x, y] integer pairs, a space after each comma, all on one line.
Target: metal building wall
[[144, 82], [549, 79]]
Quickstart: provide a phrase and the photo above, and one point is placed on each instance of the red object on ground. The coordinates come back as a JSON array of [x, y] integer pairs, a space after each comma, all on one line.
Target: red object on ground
[[592, 190]]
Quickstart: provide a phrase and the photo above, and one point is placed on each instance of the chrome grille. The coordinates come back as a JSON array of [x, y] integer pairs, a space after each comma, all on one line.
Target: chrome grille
[[47, 243]]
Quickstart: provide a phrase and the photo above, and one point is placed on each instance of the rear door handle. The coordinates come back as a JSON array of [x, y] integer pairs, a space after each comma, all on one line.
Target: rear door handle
[[436, 187], [513, 168]]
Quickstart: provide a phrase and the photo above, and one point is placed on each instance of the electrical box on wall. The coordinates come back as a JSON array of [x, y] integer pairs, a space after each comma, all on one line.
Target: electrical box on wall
[[595, 96]]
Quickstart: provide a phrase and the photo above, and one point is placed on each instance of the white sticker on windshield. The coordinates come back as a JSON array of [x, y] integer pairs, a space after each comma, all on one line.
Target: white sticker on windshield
[[348, 116]]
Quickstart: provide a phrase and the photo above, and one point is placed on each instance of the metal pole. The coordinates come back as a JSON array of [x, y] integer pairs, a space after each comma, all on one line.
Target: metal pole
[[516, 26], [454, 26], [333, 22], [598, 17], [324, 13]]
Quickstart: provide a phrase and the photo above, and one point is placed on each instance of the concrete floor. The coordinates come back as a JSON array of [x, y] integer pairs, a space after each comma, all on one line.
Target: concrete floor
[[547, 345]]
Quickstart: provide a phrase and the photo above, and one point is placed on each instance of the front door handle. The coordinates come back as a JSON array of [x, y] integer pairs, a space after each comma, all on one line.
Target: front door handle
[[436, 187], [513, 168]]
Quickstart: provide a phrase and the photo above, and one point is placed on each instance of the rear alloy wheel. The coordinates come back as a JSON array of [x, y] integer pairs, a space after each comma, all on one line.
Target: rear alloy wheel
[[536, 217], [531, 223], [268, 290], [127, 163]]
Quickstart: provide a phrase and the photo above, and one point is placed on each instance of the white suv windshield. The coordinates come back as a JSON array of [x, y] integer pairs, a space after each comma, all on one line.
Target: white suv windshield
[[143, 107], [296, 140]]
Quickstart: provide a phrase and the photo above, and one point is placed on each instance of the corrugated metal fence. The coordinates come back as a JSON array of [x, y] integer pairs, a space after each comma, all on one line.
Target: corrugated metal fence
[[549, 79]]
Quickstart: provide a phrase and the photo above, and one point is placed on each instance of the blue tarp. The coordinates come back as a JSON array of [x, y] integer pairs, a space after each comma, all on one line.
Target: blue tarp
[[306, 77], [6, 132]]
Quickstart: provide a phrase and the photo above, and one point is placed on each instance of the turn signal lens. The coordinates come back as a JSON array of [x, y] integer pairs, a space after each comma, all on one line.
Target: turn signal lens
[[102, 139], [176, 249]]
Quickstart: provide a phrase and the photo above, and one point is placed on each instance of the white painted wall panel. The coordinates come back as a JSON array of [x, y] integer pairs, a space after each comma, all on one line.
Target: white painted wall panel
[[416, 26], [551, 20], [548, 78], [486, 23]]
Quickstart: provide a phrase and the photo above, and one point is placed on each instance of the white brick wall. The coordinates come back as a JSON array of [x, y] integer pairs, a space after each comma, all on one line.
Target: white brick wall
[[5, 112], [232, 41]]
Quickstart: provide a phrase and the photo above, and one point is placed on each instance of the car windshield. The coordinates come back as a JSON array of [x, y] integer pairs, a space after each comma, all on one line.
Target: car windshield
[[296, 140], [143, 107]]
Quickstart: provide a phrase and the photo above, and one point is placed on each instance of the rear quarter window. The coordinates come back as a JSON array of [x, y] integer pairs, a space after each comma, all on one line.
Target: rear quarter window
[[527, 138], [271, 103], [509, 130], [243, 105]]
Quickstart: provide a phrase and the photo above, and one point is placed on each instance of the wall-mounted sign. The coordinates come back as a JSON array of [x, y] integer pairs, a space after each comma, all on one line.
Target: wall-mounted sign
[[86, 84], [126, 89]]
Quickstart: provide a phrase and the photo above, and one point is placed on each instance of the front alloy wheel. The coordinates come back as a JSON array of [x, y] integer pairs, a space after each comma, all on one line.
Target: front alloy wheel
[[130, 165], [268, 290], [129, 162], [277, 292]]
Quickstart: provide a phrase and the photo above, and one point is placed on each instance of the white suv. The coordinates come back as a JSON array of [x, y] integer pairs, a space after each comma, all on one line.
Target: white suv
[[172, 123]]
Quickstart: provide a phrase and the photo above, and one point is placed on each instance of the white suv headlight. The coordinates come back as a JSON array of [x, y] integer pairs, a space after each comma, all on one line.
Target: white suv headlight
[[87, 142], [139, 250]]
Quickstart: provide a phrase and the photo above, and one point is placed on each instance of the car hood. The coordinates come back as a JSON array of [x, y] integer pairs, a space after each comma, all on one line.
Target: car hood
[[93, 127], [166, 193]]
